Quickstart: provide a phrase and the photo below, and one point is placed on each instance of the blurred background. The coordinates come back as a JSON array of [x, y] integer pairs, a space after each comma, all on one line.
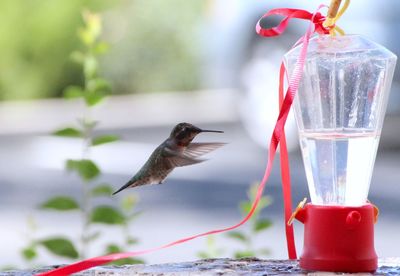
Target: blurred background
[[168, 61]]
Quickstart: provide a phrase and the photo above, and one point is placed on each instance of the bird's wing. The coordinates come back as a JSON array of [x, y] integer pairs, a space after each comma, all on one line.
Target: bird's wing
[[179, 159], [195, 150]]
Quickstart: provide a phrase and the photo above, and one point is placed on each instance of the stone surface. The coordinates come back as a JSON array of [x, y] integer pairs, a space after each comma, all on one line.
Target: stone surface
[[247, 266]]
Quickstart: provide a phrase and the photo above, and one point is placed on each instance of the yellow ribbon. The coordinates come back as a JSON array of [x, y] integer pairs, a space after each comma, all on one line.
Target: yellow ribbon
[[329, 22]]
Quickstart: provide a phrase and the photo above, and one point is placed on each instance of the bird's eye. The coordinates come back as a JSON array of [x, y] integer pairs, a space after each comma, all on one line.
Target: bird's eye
[[181, 135]]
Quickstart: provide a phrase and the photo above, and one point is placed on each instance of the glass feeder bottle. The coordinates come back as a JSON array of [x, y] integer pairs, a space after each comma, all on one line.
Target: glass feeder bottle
[[339, 110]]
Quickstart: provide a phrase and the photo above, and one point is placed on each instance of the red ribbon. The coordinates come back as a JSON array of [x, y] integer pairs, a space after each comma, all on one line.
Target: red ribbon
[[316, 18], [285, 176], [277, 136]]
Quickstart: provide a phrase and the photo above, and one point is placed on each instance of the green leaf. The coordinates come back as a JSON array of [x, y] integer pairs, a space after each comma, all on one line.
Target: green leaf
[[9, 267], [127, 261], [97, 90], [244, 254], [86, 168], [60, 247], [237, 235], [90, 67], [29, 253], [103, 139], [264, 251], [73, 92], [102, 190], [93, 98], [129, 202], [262, 224], [131, 240], [92, 28], [210, 242], [113, 248], [85, 36], [60, 203], [99, 85], [211, 249], [107, 215], [264, 202], [252, 191], [68, 132], [245, 207], [101, 48], [203, 255]]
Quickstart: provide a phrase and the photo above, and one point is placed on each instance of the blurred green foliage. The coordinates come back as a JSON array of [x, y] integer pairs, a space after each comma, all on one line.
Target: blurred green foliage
[[156, 45], [245, 237], [258, 225], [153, 45], [94, 90]]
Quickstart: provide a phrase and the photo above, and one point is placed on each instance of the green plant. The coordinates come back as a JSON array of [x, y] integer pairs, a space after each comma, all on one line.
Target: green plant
[[169, 46], [94, 91], [245, 237], [257, 226], [37, 44], [211, 250]]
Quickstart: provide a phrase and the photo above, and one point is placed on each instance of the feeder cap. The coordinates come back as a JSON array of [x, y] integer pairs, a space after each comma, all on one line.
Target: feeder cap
[[342, 46]]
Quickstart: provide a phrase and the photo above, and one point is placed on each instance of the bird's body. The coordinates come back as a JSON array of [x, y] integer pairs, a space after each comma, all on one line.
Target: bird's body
[[176, 151], [153, 171]]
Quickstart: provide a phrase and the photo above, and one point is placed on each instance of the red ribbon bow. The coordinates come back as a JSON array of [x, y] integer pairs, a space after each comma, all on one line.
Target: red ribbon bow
[[316, 18]]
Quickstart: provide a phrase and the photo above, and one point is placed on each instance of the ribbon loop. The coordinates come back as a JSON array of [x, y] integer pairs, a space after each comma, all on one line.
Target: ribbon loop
[[316, 18]]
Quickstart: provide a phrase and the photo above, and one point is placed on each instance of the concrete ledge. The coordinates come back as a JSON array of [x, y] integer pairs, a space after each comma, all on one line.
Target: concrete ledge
[[123, 111], [247, 266]]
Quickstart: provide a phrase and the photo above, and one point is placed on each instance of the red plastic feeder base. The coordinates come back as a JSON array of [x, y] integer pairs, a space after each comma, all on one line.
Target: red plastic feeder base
[[338, 238]]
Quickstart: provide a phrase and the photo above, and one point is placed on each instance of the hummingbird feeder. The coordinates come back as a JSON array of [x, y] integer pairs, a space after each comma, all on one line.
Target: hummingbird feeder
[[339, 86], [339, 110]]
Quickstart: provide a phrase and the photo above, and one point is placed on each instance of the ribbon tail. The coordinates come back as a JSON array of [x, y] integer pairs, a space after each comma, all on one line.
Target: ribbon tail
[[285, 175]]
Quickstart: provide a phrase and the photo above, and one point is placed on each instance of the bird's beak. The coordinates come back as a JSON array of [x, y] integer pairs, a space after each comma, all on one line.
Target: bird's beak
[[207, 130]]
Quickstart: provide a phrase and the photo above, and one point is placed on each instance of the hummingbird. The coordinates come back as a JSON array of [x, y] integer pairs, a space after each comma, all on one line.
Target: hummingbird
[[176, 151]]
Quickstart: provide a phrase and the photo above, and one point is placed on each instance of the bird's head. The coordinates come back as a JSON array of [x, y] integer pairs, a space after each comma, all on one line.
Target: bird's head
[[184, 133]]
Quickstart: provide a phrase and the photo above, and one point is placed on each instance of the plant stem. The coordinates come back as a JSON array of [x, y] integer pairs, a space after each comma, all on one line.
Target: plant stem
[[85, 220], [86, 199]]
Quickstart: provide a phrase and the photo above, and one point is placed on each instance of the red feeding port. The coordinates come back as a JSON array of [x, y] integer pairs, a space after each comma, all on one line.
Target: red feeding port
[[338, 238]]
